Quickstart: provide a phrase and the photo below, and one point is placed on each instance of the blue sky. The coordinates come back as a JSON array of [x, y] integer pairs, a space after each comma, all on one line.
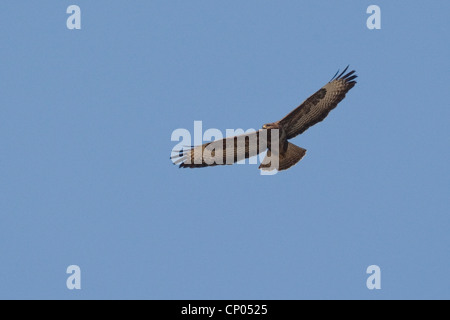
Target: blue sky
[[86, 121]]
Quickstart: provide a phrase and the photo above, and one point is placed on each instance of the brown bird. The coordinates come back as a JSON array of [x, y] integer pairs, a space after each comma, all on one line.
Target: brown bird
[[279, 156]]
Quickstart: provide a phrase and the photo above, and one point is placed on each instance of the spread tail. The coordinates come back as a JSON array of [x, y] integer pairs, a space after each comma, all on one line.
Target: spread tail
[[292, 155]]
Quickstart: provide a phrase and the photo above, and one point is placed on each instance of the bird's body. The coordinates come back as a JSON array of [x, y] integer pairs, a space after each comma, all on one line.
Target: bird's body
[[233, 149]]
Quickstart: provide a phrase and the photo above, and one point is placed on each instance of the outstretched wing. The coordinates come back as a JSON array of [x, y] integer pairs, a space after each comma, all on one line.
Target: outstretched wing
[[222, 152], [317, 107]]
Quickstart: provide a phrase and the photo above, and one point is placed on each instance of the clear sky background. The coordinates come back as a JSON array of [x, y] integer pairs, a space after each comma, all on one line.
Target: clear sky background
[[86, 118]]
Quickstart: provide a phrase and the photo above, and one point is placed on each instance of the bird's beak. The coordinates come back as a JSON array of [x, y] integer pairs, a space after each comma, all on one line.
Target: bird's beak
[[264, 127]]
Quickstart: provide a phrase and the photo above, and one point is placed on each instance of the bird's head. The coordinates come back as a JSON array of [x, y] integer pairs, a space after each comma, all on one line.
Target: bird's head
[[269, 126]]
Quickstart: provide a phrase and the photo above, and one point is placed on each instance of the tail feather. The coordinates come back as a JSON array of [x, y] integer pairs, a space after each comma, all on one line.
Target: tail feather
[[292, 155]]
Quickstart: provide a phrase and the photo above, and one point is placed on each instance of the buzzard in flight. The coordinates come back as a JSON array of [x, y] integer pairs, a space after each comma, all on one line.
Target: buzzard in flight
[[233, 149]]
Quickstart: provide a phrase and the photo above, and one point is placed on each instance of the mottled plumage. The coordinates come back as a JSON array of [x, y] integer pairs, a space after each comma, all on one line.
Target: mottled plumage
[[311, 111]]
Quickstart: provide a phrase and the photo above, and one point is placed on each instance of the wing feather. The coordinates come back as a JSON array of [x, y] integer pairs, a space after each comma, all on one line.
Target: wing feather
[[316, 107], [221, 152]]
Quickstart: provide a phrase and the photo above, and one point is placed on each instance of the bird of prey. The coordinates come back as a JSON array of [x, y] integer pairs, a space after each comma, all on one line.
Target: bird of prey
[[233, 149]]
